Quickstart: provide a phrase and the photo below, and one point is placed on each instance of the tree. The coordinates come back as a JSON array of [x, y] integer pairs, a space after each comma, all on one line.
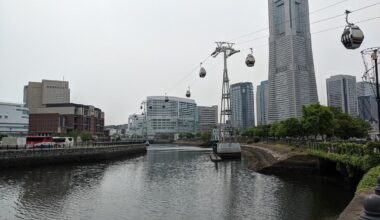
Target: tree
[[189, 135], [292, 127], [206, 136], [348, 127], [85, 136], [317, 120], [277, 129]]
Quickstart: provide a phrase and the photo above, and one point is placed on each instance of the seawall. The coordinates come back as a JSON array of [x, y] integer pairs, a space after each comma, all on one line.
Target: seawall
[[272, 160], [198, 143], [269, 159], [29, 157]]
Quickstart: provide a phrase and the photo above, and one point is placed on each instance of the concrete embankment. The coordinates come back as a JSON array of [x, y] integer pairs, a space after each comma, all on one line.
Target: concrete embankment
[[269, 159], [19, 158], [275, 160], [198, 143]]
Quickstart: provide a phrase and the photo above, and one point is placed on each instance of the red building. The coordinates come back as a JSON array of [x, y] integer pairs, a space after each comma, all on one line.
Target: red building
[[57, 119]]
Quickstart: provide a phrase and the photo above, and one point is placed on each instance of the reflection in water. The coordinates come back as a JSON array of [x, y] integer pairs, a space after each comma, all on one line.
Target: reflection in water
[[168, 183]]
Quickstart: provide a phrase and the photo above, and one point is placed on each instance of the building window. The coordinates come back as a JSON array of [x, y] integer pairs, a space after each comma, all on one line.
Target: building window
[[1, 116], [299, 17], [279, 22], [5, 116]]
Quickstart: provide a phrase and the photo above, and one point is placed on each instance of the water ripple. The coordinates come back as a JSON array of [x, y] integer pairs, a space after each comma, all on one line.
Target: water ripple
[[168, 183]]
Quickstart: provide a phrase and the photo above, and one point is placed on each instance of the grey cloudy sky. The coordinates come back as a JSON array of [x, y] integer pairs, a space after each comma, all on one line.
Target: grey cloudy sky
[[116, 52]]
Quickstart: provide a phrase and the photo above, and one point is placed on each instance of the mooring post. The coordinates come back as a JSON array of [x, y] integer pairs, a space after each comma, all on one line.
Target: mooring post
[[372, 205]]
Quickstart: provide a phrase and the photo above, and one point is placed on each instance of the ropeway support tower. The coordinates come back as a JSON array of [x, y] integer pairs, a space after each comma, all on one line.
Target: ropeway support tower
[[227, 136]]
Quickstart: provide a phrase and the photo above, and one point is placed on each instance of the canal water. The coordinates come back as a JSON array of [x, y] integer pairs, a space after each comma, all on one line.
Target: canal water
[[170, 182]]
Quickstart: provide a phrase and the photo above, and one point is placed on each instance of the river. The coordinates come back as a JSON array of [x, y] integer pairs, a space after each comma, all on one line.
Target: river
[[169, 182]]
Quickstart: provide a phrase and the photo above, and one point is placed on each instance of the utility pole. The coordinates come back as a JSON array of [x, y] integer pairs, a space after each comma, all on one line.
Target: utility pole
[[225, 128]]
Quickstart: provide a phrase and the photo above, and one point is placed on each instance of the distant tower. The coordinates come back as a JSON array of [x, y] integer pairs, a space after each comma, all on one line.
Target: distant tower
[[242, 105], [291, 81], [341, 93], [262, 103]]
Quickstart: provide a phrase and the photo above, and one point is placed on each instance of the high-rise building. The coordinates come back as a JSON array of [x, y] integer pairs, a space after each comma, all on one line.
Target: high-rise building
[[172, 116], [39, 94], [341, 93], [291, 81], [242, 105], [367, 103], [207, 117], [262, 103], [365, 89], [14, 119]]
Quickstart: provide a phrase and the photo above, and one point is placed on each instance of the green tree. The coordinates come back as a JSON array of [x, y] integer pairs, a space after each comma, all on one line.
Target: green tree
[[317, 120], [348, 127], [277, 129], [292, 127], [189, 135], [85, 136], [206, 136]]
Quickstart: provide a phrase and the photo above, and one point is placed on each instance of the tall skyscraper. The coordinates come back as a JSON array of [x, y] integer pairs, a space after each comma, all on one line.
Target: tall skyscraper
[[341, 93], [242, 105], [291, 81], [262, 103]]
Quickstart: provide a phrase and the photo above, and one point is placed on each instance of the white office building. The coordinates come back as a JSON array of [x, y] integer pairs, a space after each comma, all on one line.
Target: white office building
[[291, 79], [14, 119], [172, 116], [341, 93]]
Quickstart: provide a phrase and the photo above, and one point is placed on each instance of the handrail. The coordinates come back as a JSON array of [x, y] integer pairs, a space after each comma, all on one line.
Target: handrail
[[75, 146]]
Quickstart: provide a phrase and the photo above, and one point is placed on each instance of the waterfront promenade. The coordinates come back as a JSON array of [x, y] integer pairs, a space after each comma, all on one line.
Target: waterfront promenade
[[21, 156]]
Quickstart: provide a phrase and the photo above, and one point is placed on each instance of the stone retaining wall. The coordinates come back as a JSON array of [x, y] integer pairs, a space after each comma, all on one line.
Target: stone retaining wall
[[19, 158]]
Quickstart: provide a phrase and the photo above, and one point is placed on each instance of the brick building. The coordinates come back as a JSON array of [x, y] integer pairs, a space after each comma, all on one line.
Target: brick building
[[54, 119]]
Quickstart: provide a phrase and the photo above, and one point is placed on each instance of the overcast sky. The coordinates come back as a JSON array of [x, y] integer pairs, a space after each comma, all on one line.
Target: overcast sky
[[114, 53]]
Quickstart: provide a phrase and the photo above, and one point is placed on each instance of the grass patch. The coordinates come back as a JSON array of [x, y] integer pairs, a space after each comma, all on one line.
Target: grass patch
[[369, 179]]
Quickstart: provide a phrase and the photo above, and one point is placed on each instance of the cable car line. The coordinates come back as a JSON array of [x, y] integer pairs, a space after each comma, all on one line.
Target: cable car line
[[317, 32], [266, 28], [312, 23], [188, 75]]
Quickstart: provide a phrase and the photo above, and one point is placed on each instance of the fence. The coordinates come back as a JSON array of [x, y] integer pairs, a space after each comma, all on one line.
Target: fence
[[77, 145]]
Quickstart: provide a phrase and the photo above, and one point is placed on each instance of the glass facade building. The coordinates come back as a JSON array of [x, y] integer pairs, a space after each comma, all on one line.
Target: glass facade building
[[291, 81], [242, 105], [341, 93]]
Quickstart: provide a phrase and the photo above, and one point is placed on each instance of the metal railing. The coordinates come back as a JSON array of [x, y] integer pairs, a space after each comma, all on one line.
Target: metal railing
[[60, 146]]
